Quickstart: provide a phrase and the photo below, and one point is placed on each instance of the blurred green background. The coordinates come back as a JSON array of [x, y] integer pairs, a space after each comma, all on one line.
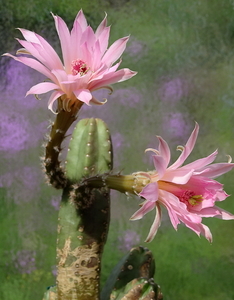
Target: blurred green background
[[183, 52]]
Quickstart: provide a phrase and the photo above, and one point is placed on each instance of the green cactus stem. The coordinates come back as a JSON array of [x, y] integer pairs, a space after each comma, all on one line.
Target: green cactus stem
[[138, 289], [51, 293], [139, 262], [84, 213]]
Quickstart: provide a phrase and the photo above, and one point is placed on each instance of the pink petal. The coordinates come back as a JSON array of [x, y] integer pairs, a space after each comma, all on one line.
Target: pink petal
[[179, 176], [115, 51], [225, 215], [156, 224], [202, 162], [160, 165], [164, 150], [76, 35], [165, 199], [49, 54], [121, 75], [101, 27], [65, 41], [42, 88], [187, 148], [221, 195], [34, 64], [83, 95], [87, 55], [33, 49], [29, 36], [54, 96], [199, 229], [150, 192], [80, 18], [103, 73], [96, 57], [97, 102], [146, 207], [104, 39], [102, 34], [208, 212], [216, 170], [88, 37]]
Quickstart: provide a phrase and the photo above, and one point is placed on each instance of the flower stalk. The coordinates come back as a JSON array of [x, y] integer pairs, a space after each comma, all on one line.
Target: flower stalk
[[64, 119], [133, 183]]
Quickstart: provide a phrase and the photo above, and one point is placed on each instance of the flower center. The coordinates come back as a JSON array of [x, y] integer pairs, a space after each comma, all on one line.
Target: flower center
[[189, 197], [79, 67]]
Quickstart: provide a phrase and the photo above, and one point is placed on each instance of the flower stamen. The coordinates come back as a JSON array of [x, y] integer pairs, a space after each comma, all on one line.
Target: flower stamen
[[189, 197], [79, 67]]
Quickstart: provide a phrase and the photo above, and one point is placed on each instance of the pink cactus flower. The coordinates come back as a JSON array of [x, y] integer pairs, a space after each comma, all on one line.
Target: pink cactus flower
[[188, 192], [87, 63]]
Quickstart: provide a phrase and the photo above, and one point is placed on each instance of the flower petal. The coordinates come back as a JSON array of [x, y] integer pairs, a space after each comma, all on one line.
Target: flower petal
[[225, 215], [156, 224], [216, 170], [65, 41], [48, 53], [110, 78], [115, 51], [146, 207], [165, 199], [83, 95], [160, 165], [179, 176], [102, 34], [34, 64], [42, 88], [164, 150], [54, 96], [187, 148], [202, 162], [80, 18], [150, 192]]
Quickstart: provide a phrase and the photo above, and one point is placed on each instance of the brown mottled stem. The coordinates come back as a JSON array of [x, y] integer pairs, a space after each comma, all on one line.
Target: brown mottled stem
[[63, 121], [82, 231]]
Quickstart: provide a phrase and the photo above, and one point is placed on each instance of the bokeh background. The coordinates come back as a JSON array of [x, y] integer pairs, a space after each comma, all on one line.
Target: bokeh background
[[183, 52]]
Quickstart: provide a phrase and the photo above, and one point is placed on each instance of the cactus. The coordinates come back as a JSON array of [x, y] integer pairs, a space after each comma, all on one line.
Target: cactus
[[137, 265], [84, 214], [139, 289], [51, 293], [83, 222]]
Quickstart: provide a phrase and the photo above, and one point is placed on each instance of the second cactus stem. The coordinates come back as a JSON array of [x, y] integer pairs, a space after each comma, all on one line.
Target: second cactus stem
[[84, 213]]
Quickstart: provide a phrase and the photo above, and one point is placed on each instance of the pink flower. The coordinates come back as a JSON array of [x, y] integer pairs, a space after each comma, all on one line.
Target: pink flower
[[188, 192], [87, 63]]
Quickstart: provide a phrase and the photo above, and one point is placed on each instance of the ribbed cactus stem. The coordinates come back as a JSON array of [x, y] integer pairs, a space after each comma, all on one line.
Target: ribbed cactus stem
[[84, 213], [132, 278]]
